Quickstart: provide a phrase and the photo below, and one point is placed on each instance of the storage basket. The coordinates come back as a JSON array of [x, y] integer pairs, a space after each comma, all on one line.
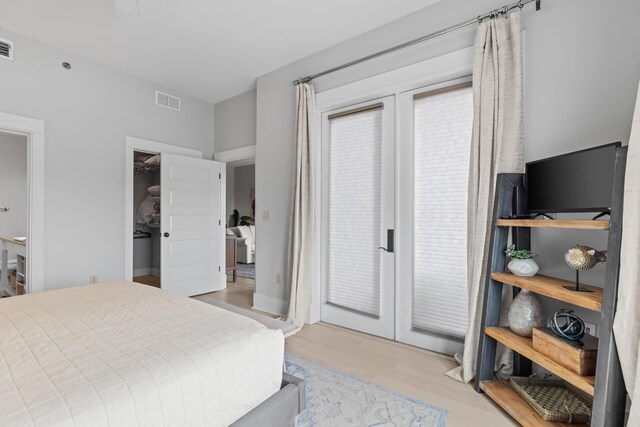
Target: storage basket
[[554, 400]]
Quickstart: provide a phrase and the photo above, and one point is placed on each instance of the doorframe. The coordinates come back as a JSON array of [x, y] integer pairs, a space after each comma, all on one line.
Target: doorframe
[[450, 66], [139, 144], [33, 129]]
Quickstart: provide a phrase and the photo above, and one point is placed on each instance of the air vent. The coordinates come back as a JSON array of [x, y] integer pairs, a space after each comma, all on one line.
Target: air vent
[[167, 101], [6, 49]]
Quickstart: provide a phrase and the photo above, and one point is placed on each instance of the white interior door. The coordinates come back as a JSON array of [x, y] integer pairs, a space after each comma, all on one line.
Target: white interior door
[[191, 225], [358, 204]]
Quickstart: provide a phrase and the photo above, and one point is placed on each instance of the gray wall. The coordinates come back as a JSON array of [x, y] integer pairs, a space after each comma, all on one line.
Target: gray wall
[[245, 180], [88, 111], [581, 77], [13, 185], [235, 122]]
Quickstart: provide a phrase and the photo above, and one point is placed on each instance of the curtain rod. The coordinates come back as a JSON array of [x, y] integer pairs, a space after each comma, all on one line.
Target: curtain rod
[[503, 10]]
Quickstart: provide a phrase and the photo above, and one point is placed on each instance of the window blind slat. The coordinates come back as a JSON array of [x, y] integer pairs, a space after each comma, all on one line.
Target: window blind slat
[[442, 138], [355, 144]]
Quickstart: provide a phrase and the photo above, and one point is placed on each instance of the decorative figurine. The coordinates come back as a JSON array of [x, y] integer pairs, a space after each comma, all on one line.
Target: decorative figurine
[[567, 325], [583, 258]]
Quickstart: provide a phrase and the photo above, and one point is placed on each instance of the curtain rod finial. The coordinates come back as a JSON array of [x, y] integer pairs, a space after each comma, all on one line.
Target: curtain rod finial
[[302, 80]]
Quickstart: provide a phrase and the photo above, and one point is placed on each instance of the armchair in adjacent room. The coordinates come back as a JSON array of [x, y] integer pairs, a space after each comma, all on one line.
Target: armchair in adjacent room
[[246, 242]]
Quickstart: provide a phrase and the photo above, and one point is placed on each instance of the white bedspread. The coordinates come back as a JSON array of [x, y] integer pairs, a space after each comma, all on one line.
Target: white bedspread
[[122, 354]]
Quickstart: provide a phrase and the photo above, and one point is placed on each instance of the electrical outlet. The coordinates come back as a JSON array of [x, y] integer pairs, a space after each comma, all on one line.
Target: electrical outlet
[[278, 279], [93, 279], [591, 329], [266, 215]]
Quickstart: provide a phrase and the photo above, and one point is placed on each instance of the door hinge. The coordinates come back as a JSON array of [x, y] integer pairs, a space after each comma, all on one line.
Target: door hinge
[[219, 269], [219, 222], [219, 176]]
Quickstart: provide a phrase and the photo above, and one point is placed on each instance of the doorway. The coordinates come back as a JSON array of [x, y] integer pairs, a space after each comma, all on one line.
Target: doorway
[[174, 237], [394, 191], [240, 250], [13, 212], [25, 191]]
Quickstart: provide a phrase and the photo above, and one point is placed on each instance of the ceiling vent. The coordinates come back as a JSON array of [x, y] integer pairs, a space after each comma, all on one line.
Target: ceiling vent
[[167, 101], [6, 49]]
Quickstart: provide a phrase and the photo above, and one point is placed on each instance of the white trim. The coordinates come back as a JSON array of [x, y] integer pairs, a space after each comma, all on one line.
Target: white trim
[[223, 228], [146, 145], [235, 154], [146, 271], [425, 73], [269, 304], [34, 130]]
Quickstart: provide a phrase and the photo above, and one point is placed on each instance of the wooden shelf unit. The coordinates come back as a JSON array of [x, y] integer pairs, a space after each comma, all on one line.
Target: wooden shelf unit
[[507, 398], [583, 224], [554, 288], [607, 386], [524, 346]]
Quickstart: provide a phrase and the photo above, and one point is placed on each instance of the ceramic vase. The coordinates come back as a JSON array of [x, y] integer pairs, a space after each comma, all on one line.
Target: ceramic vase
[[525, 314], [523, 267]]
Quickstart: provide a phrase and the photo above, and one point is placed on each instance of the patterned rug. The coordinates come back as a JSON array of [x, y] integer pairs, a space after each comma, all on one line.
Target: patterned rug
[[248, 271], [336, 399]]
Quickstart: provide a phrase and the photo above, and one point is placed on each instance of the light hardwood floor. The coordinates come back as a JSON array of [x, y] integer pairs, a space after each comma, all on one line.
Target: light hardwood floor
[[404, 369]]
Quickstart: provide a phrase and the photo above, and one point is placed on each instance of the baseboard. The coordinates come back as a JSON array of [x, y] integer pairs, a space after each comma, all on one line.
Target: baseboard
[[146, 271], [269, 304], [141, 272]]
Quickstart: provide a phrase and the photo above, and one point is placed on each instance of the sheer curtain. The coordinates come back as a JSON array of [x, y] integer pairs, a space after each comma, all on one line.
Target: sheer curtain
[[302, 222], [496, 147], [626, 325]]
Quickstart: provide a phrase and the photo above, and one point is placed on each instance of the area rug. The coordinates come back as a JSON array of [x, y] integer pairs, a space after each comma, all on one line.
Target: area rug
[[337, 399], [248, 271]]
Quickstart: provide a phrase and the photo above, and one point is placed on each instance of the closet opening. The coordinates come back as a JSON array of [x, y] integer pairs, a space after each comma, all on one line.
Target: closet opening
[[146, 218]]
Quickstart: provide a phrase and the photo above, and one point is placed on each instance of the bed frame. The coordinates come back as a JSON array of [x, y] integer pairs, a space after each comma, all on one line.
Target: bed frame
[[281, 408]]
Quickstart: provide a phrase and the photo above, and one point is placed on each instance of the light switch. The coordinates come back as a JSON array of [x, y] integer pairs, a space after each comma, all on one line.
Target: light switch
[[266, 215], [278, 279]]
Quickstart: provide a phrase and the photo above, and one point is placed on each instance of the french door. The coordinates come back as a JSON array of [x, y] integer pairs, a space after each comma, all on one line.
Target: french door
[[395, 173]]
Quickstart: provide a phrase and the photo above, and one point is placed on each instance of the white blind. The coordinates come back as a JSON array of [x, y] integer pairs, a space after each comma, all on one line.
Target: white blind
[[442, 138], [354, 211]]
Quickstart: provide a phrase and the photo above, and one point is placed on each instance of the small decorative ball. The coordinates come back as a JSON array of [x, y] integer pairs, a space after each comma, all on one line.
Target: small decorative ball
[[567, 325]]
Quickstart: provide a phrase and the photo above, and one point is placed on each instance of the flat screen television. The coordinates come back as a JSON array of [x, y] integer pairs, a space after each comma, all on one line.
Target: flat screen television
[[581, 181]]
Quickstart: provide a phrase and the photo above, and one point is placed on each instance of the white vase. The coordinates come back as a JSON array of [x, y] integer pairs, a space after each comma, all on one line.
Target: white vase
[[525, 314], [523, 267]]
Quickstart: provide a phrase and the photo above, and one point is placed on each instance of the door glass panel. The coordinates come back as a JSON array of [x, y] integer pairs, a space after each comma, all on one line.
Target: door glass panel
[[442, 138], [355, 146]]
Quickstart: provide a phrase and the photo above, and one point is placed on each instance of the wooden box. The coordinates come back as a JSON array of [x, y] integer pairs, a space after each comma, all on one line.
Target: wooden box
[[580, 359]]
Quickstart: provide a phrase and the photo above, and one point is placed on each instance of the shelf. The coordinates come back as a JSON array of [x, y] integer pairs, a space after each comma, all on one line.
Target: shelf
[[507, 398], [524, 346], [553, 288], [585, 224]]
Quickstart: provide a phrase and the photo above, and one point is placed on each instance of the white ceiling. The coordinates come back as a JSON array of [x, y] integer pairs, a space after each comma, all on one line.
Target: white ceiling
[[211, 49]]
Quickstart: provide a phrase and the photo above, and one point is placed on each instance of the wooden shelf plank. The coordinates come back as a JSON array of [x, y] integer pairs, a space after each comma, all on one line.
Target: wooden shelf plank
[[524, 346], [554, 288], [586, 224], [507, 398]]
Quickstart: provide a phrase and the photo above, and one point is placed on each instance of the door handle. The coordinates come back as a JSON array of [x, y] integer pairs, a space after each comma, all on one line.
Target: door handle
[[4, 209], [166, 234], [390, 238]]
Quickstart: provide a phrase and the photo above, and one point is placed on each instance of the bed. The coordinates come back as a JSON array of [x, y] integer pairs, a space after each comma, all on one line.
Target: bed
[[121, 354]]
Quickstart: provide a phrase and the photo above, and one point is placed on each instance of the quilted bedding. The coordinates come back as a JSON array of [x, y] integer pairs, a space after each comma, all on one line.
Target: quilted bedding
[[123, 354]]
